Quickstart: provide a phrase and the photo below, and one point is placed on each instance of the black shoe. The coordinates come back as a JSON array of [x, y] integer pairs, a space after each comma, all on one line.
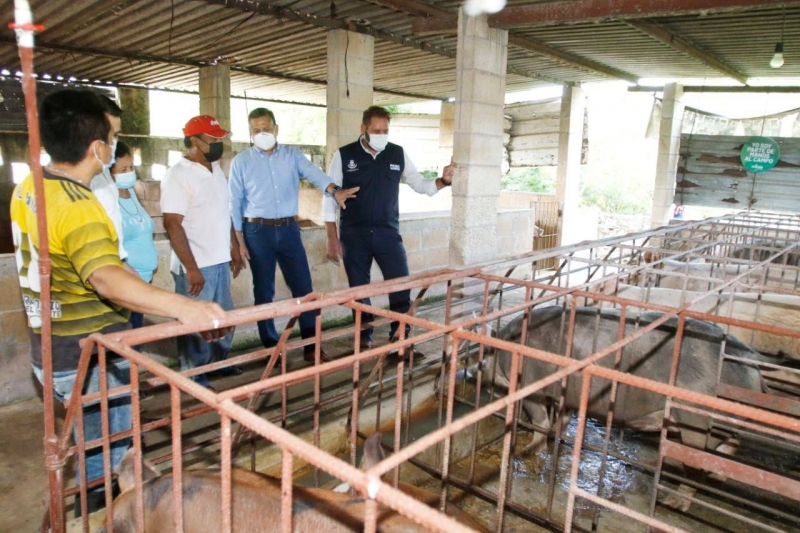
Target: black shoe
[[365, 345], [227, 372], [308, 356], [418, 356]]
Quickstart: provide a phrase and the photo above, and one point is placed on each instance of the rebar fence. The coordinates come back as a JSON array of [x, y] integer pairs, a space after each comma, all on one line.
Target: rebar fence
[[675, 331]]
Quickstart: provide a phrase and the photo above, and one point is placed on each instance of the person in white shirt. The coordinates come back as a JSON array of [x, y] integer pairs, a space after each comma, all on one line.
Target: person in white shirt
[[194, 201], [370, 223], [103, 186]]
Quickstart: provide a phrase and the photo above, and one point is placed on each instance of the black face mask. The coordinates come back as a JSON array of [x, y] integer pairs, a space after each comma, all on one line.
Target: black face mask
[[214, 152]]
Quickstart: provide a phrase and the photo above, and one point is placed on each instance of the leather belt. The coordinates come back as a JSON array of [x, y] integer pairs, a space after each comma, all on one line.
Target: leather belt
[[270, 221]]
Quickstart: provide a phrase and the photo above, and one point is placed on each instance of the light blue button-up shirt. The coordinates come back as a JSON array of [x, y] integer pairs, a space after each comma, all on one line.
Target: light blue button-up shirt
[[267, 186]]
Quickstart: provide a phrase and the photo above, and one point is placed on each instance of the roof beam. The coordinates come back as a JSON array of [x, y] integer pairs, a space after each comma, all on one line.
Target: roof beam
[[43, 47], [416, 8], [574, 60], [326, 23], [576, 11], [750, 89], [680, 44]]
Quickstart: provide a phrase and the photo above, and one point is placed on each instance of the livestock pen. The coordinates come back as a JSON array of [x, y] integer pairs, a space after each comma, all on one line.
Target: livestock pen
[[458, 431]]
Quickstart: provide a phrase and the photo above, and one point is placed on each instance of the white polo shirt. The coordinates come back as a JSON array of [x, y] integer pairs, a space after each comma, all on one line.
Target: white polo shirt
[[106, 192], [189, 189]]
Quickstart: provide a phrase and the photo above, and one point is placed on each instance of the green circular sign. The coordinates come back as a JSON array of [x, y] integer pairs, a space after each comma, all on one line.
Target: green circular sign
[[760, 154]]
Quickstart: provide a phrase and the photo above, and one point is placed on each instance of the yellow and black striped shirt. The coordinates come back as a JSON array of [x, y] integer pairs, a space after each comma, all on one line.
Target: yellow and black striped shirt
[[82, 240]]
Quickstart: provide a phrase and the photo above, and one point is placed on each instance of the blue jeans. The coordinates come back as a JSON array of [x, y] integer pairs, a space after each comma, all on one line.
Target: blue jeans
[[119, 411], [281, 245], [193, 351], [359, 249]]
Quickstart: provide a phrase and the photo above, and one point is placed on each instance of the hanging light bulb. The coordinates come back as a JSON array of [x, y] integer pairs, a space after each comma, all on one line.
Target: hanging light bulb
[[777, 59]]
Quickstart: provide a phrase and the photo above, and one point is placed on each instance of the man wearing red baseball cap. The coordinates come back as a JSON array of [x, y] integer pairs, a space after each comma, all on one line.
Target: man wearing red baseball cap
[[194, 201]]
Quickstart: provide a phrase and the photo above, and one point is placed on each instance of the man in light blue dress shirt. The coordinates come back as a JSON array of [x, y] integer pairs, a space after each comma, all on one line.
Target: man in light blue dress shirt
[[264, 188]]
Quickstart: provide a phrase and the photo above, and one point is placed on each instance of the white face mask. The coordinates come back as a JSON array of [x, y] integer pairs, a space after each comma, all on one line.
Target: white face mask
[[264, 140], [113, 147], [377, 142], [125, 180]]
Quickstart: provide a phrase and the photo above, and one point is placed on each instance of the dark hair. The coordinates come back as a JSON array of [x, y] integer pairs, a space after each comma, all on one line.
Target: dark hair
[[375, 111], [70, 120], [122, 150], [111, 106], [260, 112], [187, 141]]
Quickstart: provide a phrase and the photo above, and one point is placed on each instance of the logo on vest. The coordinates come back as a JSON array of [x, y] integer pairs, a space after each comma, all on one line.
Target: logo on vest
[[394, 167], [351, 166]]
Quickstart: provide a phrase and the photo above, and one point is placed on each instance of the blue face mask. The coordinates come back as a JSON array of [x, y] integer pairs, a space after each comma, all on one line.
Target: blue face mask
[[125, 180]]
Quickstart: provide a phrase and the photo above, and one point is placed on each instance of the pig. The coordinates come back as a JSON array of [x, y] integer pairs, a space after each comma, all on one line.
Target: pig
[[649, 356], [256, 502]]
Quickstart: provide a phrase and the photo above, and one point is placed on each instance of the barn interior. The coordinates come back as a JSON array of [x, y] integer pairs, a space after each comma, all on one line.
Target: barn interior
[[455, 425]]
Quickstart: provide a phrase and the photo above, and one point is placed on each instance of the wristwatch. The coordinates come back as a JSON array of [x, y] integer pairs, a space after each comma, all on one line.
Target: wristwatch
[[335, 188]]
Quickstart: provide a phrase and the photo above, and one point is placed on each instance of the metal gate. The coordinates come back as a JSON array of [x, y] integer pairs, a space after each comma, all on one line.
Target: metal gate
[[545, 237]]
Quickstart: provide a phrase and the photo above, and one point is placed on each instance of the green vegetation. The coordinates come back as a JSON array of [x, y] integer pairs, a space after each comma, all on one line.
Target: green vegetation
[[531, 179], [613, 198], [609, 196]]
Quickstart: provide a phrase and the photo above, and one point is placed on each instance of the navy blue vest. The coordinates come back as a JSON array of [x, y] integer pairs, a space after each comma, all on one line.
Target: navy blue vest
[[376, 203]]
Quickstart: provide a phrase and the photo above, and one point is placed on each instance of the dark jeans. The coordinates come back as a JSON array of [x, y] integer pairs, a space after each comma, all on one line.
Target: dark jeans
[[359, 248], [193, 351], [137, 320], [281, 245]]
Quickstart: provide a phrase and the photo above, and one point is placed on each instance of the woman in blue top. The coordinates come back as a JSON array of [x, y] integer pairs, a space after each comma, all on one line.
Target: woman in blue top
[[137, 226]]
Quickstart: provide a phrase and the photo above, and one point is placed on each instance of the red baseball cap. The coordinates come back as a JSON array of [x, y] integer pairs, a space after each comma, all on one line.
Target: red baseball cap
[[204, 124]]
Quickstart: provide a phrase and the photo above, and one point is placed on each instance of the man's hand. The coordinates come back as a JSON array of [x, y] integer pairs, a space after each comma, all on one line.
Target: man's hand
[[196, 281], [242, 248], [334, 250], [448, 173], [237, 262], [342, 195], [200, 312]]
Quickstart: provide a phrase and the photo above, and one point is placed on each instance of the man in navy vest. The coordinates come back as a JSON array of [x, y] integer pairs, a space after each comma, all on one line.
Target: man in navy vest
[[370, 223]]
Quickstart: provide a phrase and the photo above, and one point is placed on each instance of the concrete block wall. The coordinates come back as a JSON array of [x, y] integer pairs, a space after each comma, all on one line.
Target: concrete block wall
[[426, 237]]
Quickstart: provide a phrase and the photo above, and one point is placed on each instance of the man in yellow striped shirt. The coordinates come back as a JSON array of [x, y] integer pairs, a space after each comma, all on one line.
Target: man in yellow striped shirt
[[90, 291]]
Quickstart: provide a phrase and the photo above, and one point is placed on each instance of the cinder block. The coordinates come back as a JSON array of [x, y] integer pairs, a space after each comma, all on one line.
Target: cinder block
[[505, 245], [435, 238], [412, 240], [438, 257], [471, 212], [417, 261]]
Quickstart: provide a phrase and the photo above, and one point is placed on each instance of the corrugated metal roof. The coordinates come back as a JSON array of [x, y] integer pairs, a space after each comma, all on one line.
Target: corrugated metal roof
[[159, 43]]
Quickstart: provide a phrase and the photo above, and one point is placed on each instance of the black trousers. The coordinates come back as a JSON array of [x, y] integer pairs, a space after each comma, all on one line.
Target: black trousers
[[385, 246]]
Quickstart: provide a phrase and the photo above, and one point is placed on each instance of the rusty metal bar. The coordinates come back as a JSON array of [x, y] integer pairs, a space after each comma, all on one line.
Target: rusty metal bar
[[177, 459], [287, 476], [742, 473], [24, 29], [786, 406]]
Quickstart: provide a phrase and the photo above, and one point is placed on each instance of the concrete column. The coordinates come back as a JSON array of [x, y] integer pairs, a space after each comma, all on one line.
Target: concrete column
[[215, 100], [478, 141], [669, 146], [570, 144], [350, 75], [135, 104], [447, 129]]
